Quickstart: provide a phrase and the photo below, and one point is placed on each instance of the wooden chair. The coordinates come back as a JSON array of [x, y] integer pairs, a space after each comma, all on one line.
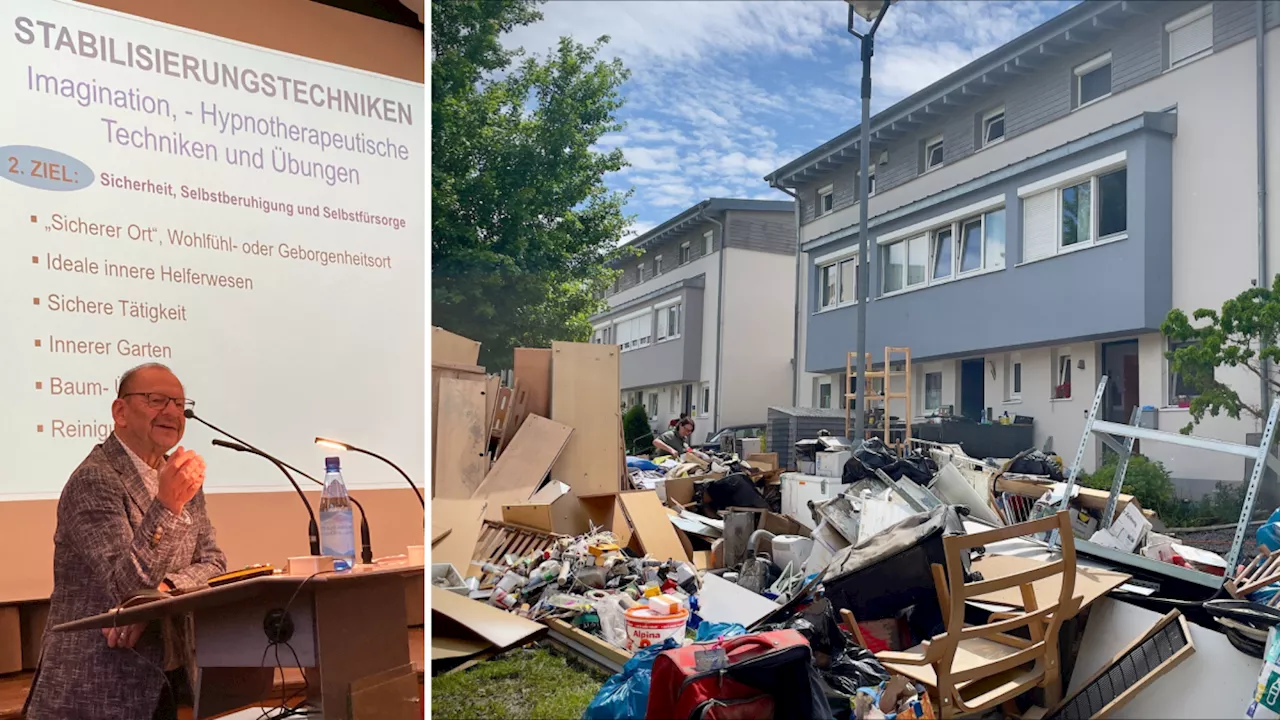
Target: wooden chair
[[974, 668]]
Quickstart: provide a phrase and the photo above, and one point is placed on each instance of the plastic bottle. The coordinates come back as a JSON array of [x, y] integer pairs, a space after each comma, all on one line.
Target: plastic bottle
[[337, 524]]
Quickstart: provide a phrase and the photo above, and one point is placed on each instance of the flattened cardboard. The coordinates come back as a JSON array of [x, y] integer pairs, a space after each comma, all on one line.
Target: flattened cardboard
[[1090, 582], [763, 461], [465, 520], [451, 613], [652, 526]]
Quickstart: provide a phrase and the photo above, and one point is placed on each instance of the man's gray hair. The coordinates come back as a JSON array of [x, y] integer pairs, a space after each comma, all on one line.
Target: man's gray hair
[[128, 375]]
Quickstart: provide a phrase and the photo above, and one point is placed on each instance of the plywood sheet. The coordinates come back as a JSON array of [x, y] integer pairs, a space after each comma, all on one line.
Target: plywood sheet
[[461, 457], [585, 396], [500, 628], [447, 347], [528, 458], [492, 384], [517, 412], [652, 526], [471, 372], [1091, 583], [531, 367], [464, 520]]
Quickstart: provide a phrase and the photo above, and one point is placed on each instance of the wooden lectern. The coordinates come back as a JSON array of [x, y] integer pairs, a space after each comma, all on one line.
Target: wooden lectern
[[348, 632]]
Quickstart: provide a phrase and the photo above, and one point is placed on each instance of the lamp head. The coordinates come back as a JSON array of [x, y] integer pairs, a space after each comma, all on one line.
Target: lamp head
[[868, 10], [332, 444]]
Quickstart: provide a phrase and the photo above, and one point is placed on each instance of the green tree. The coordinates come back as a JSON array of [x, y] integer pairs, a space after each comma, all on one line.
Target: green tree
[[1240, 335], [636, 431], [523, 226]]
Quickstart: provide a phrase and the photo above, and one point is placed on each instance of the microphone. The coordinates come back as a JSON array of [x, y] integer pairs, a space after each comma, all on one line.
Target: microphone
[[366, 548], [339, 445], [313, 530]]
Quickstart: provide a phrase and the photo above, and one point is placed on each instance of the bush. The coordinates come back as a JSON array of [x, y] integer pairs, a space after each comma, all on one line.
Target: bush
[[1145, 479], [636, 431]]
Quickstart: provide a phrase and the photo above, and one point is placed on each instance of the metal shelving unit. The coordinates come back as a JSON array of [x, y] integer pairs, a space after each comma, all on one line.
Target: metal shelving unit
[[1108, 433]]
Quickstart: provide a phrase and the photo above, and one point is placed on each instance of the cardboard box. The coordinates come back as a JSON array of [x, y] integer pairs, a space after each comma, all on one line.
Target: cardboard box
[[1083, 525], [554, 509], [763, 461], [1126, 533]]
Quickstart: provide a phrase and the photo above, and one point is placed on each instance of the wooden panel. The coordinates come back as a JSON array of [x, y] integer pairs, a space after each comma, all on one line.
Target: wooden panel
[[528, 459], [347, 653], [652, 526], [10, 640], [532, 369], [585, 396], [438, 373], [516, 415], [465, 519], [492, 384], [462, 437], [447, 347], [34, 617], [388, 695], [1090, 583]]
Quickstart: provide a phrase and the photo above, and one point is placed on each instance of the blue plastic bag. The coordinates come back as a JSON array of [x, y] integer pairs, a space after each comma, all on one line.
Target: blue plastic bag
[[708, 631], [626, 694], [642, 464], [1268, 534]]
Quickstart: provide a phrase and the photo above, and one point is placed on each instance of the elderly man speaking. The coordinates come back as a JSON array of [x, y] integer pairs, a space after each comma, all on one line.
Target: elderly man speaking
[[131, 519]]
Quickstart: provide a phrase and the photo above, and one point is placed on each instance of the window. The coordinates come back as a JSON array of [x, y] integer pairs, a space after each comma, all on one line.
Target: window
[[706, 399], [706, 242], [972, 244], [639, 274], [993, 127], [824, 395], [1093, 80], [1190, 37], [933, 153], [653, 404], [601, 335], [826, 200], [669, 322], [1185, 385], [932, 390], [1081, 214], [871, 180], [1062, 376], [1012, 377], [684, 253], [838, 283], [657, 265], [635, 331], [673, 392]]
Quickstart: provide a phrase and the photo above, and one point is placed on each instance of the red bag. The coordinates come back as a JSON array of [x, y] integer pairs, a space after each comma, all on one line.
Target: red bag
[[741, 678]]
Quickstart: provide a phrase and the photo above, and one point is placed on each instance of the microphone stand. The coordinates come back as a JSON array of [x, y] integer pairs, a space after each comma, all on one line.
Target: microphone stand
[[366, 548], [370, 453], [313, 530]]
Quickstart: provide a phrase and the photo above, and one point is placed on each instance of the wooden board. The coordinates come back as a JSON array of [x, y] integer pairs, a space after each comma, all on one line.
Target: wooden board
[[1090, 583], [516, 415], [652, 527], [585, 396], [446, 347], [501, 413], [465, 520], [528, 459], [531, 367], [492, 384], [553, 509], [501, 629], [461, 455], [437, 374], [606, 512]]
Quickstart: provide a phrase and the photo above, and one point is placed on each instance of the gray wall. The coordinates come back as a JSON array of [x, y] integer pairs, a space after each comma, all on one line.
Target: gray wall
[[1117, 288], [671, 361], [773, 232], [670, 252], [1138, 54]]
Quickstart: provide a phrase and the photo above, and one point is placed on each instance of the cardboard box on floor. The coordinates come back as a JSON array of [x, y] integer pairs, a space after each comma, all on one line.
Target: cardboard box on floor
[[554, 508]]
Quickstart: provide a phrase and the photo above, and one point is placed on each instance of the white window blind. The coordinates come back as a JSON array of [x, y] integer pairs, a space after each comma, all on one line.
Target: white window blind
[[1039, 226], [1190, 35]]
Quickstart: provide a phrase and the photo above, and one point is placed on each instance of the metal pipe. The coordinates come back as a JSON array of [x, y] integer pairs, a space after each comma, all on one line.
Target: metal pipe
[[1264, 280], [799, 302], [715, 417]]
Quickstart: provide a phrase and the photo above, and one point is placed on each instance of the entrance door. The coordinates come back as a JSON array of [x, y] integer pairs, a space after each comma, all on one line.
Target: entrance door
[[1120, 365], [686, 405], [972, 389]]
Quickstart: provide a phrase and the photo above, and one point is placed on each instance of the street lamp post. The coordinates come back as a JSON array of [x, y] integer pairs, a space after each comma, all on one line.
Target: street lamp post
[[873, 11]]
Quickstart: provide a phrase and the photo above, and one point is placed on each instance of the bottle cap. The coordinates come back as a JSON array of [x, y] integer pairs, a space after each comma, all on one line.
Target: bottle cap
[[332, 463]]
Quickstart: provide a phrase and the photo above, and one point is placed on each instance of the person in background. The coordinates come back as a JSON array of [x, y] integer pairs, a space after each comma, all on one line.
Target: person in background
[[131, 520], [683, 416]]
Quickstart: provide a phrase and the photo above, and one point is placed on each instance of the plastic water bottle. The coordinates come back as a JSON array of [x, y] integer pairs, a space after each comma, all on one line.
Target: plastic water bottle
[[337, 523]]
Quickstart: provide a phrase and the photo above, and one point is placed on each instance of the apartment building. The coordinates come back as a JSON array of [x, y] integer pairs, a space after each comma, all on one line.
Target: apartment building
[[1037, 213], [704, 315]]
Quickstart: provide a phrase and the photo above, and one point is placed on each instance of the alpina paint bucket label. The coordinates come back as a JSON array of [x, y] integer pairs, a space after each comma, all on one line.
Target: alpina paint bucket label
[[645, 628]]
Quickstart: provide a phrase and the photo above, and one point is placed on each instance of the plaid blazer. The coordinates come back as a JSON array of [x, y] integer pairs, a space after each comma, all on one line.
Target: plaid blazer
[[113, 539]]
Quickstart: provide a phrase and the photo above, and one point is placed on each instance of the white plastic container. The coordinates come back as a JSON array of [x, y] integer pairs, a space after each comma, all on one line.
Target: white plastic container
[[791, 549], [798, 489], [452, 580], [645, 627]]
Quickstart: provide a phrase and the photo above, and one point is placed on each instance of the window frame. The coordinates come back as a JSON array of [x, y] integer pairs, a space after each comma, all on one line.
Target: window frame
[[640, 273], [956, 229], [652, 410], [686, 253], [938, 404], [705, 396], [657, 265], [987, 121], [825, 192], [871, 178], [1062, 360], [1171, 378], [828, 387], [708, 241], [1086, 68], [834, 265], [1013, 377], [939, 142], [1181, 22], [1095, 212]]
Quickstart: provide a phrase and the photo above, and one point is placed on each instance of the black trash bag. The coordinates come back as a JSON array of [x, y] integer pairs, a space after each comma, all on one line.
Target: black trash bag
[[854, 471], [735, 490], [917, 468], [874, 455], [842, 666], [1036, 463]]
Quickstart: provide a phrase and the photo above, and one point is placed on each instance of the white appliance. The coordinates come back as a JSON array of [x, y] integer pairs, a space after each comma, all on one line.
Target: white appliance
[[831, 463], [798, 489]]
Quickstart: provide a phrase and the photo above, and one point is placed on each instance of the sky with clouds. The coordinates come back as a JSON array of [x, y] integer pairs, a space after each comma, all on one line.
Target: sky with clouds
[[723, 92]]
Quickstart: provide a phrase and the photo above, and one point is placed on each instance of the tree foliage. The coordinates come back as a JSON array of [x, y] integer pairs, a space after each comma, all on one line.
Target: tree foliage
[[636, 431], [1240, 335], [523, 226]]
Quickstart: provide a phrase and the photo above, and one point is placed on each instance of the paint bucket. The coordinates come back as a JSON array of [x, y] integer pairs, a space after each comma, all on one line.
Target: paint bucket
[[645, 627]]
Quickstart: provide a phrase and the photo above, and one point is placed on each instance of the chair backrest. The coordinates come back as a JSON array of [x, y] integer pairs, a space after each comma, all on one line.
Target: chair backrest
[[1042, 648]]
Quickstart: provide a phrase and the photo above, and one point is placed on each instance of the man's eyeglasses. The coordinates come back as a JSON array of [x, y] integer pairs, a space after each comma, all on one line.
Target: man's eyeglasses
[[158, 401]]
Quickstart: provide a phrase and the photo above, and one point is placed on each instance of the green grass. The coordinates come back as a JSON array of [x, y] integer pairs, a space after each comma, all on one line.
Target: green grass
[[524, 683]]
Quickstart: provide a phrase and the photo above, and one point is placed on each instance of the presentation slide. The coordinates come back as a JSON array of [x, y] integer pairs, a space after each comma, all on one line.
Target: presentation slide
[[252, 219]]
